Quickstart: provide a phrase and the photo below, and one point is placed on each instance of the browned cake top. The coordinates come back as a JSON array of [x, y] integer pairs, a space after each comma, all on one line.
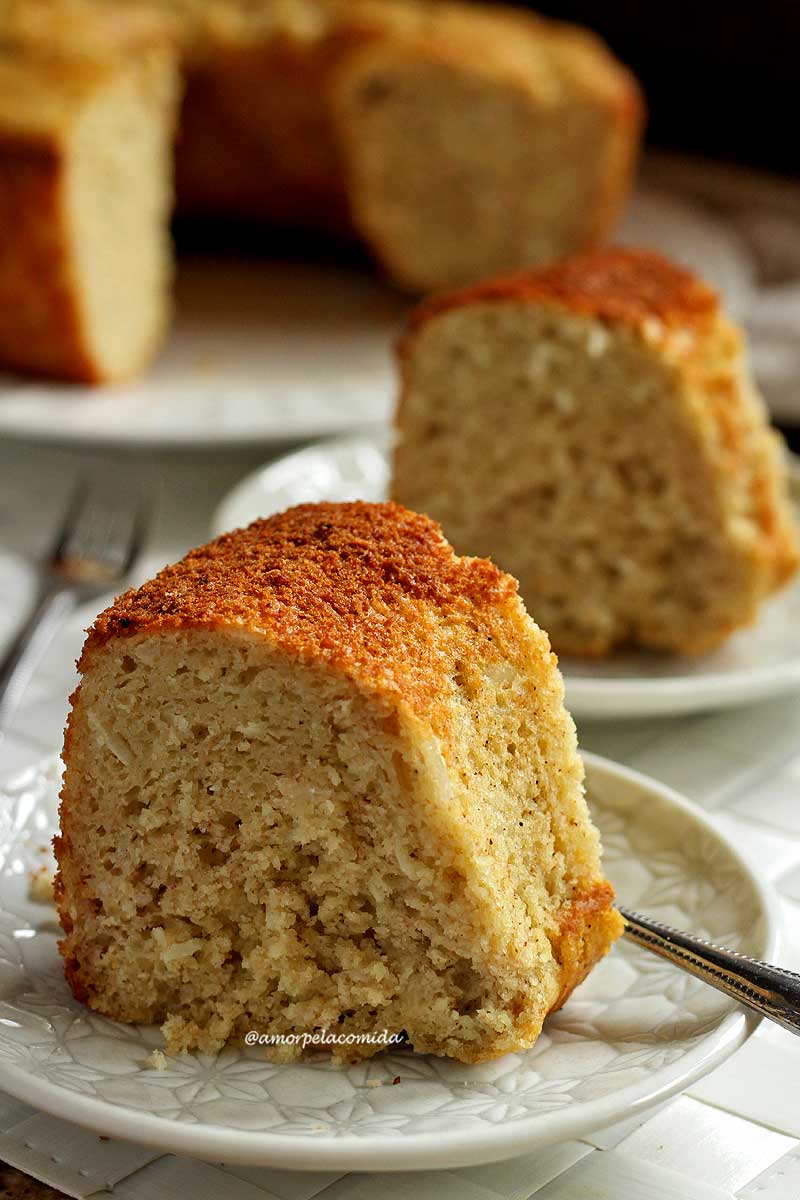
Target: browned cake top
[[630, 286], [52, 29], [358, 585]]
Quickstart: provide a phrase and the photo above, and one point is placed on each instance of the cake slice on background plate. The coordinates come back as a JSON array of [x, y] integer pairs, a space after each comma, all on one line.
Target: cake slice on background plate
[[482, 139], [320, 776], [87, 118], [594, 428]]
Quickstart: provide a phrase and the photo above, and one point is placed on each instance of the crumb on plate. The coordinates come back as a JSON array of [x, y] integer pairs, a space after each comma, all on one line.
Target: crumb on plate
[[40, 886], [156, 1061]]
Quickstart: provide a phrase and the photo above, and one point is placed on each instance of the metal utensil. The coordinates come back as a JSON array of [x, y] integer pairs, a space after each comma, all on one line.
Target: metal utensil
[[95, 547], [771, 991]]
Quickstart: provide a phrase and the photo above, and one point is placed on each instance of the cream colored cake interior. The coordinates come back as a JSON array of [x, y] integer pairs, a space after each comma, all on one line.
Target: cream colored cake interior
[[262, 845], [603, 467], [453, 172], [118, 201]]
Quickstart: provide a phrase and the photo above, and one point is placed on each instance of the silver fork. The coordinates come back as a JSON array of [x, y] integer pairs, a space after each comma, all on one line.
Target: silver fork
[[93, 551], [770, 991]]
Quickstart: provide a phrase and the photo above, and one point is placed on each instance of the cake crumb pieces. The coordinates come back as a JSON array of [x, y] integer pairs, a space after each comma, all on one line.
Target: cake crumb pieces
[[156, 1061], [40, 886], [373, 1083]]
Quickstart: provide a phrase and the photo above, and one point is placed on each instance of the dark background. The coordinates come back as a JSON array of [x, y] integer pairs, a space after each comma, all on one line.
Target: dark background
[[721, 79]]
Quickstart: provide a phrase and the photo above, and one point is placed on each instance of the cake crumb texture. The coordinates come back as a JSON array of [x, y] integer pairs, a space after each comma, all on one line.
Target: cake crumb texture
[[594, 427], [320, 776]]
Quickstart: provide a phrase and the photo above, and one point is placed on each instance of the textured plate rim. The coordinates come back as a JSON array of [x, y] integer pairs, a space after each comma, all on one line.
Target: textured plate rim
[[348, 1152], [587, 698]]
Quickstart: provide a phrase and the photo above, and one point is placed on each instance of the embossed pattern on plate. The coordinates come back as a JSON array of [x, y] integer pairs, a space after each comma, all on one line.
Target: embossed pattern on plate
[[635, 1031]]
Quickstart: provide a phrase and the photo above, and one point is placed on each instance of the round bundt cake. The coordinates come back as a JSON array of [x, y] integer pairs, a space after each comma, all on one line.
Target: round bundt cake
[[453, 140]]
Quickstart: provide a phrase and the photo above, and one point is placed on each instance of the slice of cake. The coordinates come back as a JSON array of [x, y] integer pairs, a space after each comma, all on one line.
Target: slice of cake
[[479, 140], [319, 776], [85, 196], [593, 426]]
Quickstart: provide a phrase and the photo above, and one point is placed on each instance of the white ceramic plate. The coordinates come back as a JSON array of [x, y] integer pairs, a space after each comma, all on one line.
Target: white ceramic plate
[[270, 352], [756, 663], [635, 1032], [260, 352]]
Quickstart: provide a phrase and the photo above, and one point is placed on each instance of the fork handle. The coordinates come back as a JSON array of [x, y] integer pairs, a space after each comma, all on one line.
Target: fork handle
[[29, 646], [770, 991]]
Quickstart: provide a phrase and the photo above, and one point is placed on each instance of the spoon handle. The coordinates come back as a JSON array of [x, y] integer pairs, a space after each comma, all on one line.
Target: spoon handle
[[770, 991]]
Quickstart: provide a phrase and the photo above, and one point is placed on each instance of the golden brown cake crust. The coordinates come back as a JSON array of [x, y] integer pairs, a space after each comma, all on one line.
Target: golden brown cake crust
[[45, 334], [627, 285], [341, 583], [83, 29], [41, 329], [588, 924]]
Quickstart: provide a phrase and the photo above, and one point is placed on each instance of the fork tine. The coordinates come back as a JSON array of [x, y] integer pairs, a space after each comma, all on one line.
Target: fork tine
[[101, 534], [139, 529], [75, 506], [94, 548]]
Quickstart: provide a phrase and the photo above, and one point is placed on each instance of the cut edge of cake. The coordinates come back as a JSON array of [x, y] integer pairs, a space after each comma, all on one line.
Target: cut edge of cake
[[435, 870], [681, 362], [85, 255]]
